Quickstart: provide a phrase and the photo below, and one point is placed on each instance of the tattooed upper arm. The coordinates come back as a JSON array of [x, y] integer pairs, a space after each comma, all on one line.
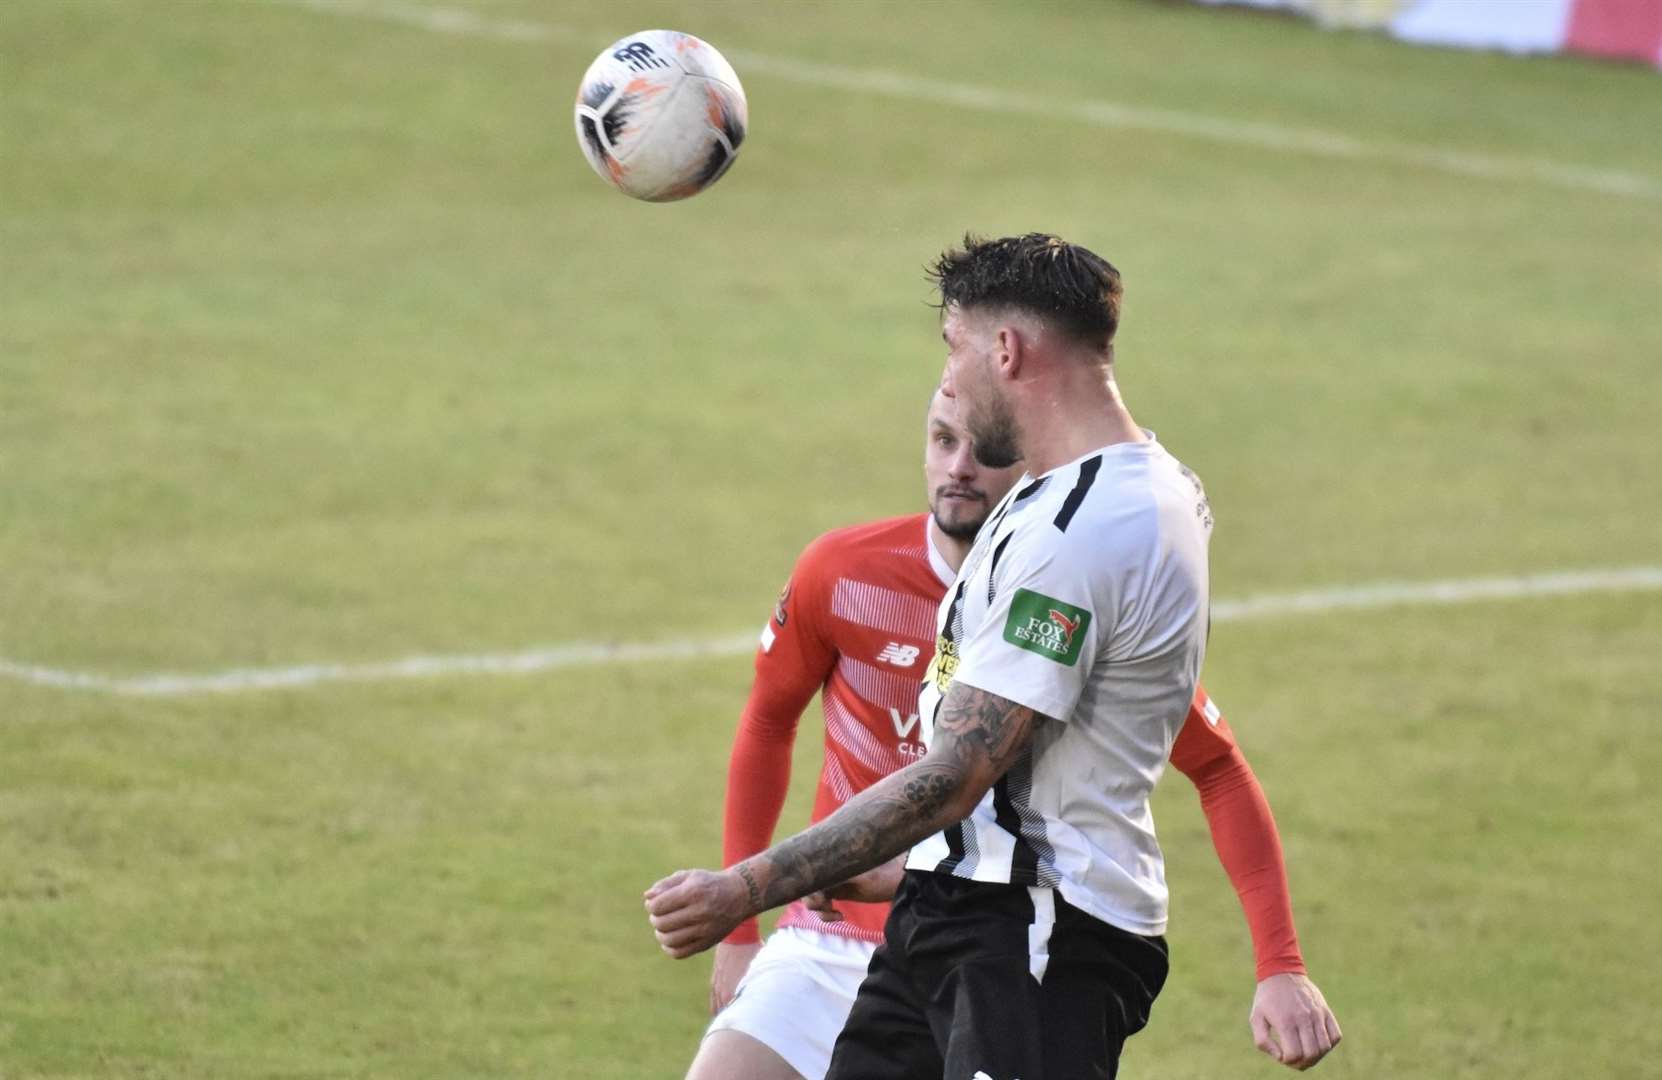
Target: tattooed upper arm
[[983, 733]]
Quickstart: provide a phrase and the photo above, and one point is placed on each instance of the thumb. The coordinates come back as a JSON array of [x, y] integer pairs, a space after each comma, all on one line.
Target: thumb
[[1261, 1034], [820, 904]]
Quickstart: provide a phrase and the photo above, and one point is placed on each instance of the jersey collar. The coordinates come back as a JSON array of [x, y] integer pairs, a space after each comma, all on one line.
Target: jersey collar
[[937, 561]]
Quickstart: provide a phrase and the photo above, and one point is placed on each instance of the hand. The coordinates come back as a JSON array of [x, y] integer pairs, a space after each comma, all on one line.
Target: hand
[[691, 910], [875, 886], [732, 961], [1292, 1010]]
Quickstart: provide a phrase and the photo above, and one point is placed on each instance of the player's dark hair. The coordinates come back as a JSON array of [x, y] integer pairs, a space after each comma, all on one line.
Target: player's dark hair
[[1071, 287]]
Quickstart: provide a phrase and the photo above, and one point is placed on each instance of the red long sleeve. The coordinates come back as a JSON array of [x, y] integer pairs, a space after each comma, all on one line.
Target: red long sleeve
[[791, 666], [758, 775], [1244, 834]]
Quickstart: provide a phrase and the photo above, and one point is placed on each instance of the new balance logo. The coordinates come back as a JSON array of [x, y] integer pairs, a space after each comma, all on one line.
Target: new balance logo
[[979, 1075], [899, 655], [639, 56]]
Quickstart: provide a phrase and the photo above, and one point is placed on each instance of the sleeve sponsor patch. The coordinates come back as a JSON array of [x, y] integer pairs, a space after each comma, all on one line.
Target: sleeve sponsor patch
[[1052, 628]]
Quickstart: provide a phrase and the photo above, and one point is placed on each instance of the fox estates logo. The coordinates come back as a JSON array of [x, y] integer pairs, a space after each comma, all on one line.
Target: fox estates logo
[[1052, 628]]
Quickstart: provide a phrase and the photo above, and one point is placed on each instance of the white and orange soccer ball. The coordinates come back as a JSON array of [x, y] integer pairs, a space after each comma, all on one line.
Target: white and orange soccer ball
[[660, 115]]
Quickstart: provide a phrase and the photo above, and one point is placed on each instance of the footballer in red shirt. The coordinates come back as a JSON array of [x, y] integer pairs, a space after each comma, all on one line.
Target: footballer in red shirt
[[856, 624]]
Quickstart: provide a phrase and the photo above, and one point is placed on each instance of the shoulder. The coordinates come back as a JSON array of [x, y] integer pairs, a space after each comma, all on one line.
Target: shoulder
[[1071, 507], [881, 552], [834, 552], [1105, 512], [1122, 486]]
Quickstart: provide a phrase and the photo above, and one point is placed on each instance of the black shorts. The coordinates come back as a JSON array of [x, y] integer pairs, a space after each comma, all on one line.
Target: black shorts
[[977, 980]]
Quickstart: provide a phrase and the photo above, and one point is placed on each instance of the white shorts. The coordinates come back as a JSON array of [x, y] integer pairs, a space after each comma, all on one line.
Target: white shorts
[[796, 996]]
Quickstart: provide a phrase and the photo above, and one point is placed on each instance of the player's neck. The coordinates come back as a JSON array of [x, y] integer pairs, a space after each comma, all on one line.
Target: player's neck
[[1073, 419], [952, 550]]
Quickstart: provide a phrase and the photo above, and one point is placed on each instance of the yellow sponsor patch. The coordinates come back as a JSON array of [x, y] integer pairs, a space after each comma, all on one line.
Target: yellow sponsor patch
[[944, 666]]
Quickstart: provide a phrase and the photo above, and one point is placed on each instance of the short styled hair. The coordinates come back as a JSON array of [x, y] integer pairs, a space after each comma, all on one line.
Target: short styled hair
[[1071, 287]]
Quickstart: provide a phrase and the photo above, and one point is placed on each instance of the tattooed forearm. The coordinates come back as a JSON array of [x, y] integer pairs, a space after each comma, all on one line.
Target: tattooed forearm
[[873, 827], [977, 737], [755, 890], [928, 792]]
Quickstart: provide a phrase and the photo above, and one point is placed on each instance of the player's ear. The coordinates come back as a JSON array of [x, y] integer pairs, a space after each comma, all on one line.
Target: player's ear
[[1009, 351]]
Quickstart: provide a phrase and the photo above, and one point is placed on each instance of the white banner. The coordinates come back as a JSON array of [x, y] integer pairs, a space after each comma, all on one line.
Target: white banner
[[1618, 29]]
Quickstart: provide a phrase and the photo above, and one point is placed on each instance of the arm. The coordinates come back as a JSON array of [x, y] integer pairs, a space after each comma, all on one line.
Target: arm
[[758, 776], [977, 737], [980, 727], [759, 768], [1243, 833], [876, 886], [794, 661], [1290, 1020]]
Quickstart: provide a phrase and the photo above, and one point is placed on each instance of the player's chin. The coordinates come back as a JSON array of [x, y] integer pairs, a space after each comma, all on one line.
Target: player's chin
[[959, 518]]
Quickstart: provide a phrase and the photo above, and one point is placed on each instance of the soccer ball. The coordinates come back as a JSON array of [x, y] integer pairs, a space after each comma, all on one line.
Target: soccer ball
[[660, 115]]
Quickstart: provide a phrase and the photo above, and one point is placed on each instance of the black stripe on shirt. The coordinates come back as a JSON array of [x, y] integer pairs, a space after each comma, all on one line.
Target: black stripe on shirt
[[992, 571], [955, 849], [1024, 861], [1020, 781], [991, 527], [1070, 506], [1030, 490], [954, 613]]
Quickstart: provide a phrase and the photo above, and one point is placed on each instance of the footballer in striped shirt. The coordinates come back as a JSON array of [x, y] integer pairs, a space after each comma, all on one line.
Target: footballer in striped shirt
[[856, 624]]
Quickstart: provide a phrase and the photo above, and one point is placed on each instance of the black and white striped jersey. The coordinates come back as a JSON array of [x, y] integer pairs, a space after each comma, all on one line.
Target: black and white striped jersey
[[1085, 599]]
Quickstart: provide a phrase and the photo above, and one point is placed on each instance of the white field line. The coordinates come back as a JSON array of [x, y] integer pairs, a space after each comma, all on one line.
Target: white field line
[[440, 20], [589, 654], [241, 680], [1101, 114]]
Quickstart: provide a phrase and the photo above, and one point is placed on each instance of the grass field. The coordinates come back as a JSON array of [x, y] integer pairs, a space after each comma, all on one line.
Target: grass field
[[320, 344]]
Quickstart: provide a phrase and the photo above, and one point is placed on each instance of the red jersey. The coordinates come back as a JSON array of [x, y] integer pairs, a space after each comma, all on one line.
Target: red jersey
[[857, 621]]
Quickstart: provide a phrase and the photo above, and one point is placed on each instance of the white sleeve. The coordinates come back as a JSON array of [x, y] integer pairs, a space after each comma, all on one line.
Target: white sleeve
[[1039, 639]]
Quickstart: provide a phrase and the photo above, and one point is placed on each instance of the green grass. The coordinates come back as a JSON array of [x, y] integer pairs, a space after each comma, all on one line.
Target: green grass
[[321, 344]]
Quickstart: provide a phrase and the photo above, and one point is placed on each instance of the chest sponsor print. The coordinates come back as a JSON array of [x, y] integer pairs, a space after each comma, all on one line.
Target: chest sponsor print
[[944, 665]]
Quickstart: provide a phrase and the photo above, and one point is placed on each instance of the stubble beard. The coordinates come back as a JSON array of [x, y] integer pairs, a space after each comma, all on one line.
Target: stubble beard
[[958, 529], [997, 438]]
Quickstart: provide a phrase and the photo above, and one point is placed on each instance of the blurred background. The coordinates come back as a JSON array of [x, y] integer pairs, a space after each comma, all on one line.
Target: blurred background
[[349, 425]]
